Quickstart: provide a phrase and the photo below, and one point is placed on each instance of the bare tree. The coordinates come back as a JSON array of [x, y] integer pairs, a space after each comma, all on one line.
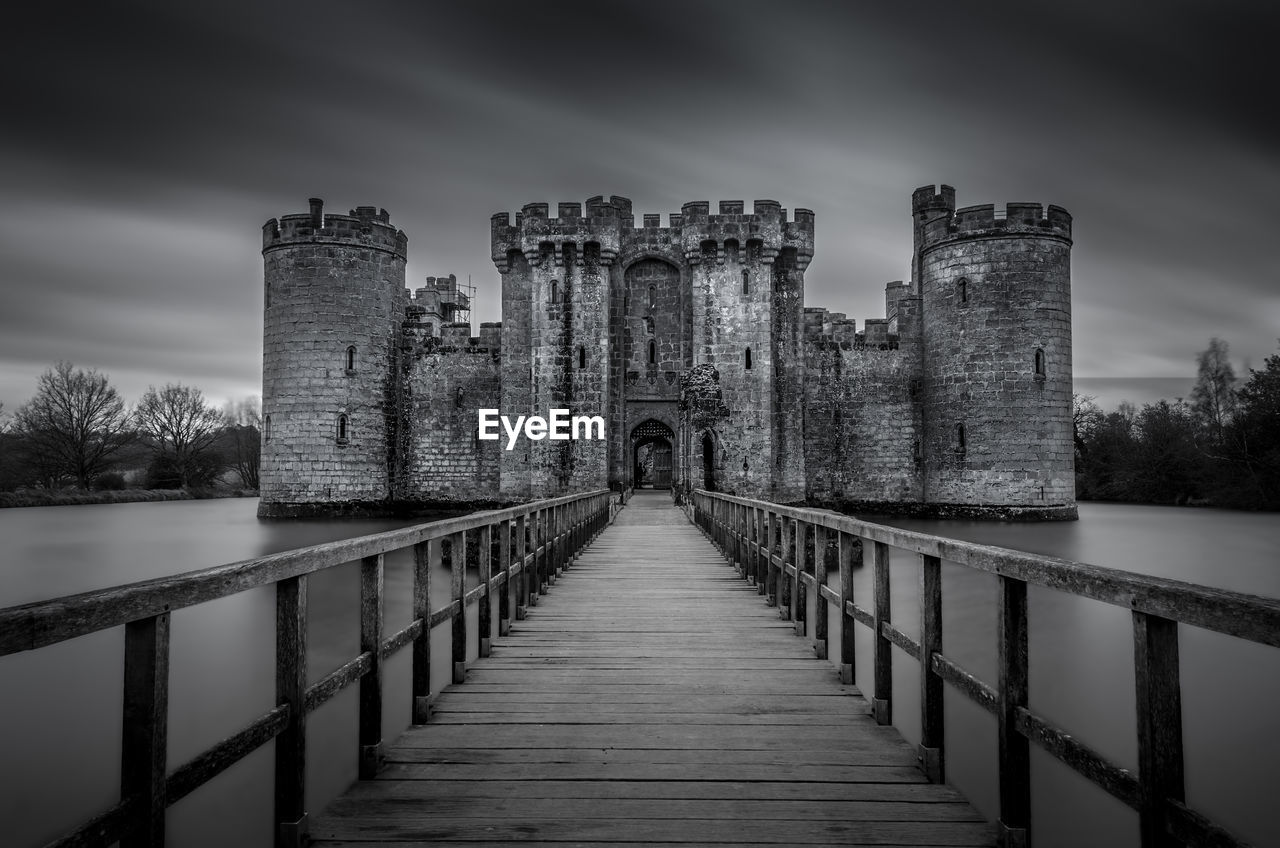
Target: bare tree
[[74, 425], [1214, 396], [242, 436], [183, 430]]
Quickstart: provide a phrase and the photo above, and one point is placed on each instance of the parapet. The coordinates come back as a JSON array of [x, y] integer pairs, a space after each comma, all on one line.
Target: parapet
[[365, 226], [941, 221], [536, 234], [694, 228]]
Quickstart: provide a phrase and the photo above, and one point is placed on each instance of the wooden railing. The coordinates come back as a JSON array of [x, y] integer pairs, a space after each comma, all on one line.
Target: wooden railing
[[787, 552], [519, 552]]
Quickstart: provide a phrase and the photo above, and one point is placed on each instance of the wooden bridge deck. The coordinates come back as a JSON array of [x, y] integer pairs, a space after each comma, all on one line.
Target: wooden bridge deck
[[651, 698]]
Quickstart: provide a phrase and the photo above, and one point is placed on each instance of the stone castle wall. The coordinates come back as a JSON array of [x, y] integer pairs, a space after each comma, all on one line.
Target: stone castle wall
[[446, 380], [959, 398]]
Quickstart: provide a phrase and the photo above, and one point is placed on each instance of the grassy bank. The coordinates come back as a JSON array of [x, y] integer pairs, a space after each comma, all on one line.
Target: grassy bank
[[72, 497]]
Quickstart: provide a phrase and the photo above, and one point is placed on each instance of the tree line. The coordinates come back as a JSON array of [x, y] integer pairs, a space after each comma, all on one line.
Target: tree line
[[1219, 447], [78, 433]]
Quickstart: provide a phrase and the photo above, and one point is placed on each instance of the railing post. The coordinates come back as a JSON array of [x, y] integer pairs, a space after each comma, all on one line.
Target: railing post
[[759, 567], [845, 551], [539, 540], [882, 703], [144, 731], [1014, 748], [931, 724], [505, 602], [821, 540], [485, 541], [522, 552], [786, 546], [554, 552], [291, 691], [458, 586], [770, 574], [371, 581], [800, 592], [1159, 706], [425, 555]]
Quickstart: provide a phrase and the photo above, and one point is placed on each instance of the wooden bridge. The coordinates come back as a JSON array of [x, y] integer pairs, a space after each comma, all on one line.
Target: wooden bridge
[[653, 696]]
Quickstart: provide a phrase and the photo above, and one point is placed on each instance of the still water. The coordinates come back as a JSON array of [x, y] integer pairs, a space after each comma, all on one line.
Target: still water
[[60, 706]]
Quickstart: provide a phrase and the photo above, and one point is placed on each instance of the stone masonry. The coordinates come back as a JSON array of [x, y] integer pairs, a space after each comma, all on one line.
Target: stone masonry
[[691, 339]]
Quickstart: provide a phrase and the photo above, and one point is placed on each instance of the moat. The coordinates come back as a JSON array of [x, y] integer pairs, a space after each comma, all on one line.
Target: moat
[[66, 698]]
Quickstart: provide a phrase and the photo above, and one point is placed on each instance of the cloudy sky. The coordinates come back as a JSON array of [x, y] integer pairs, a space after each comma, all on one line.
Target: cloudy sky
[[142, 147]]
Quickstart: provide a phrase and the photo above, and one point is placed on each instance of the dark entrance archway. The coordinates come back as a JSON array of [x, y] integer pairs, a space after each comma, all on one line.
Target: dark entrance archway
[[708, 462], [651, 455]]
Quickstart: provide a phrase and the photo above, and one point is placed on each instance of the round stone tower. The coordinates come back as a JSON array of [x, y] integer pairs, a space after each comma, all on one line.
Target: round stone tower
[[334, 301], [996, 301]]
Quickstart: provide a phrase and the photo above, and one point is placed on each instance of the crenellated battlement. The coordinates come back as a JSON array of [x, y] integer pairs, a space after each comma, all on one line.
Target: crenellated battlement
[[365, 226], [535, 234], [939, 221]]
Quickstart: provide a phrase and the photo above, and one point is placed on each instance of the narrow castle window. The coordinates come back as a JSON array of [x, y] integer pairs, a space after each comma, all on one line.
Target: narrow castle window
[[342, 428], [746, 282], [653, 352], [582, 356], [266, 428], [351, 359], [653, 297], [1040, 363], [960, 439], [962, 290], [555, 291], [748, 359]]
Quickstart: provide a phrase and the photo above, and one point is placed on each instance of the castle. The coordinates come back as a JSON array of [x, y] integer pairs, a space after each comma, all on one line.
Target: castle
[[693, 342]]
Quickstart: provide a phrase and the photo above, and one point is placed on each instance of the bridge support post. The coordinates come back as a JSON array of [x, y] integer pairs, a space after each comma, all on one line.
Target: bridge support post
[[291, 691], [145, 733], [770, 573], [485, 566], [882, 703], [1159, 709], [800, 592], [458, 586], [845, 551], [1014, 748], [821, 544], [508, 584], [426, 558], [522, 582], [371, 584], [931, 689]]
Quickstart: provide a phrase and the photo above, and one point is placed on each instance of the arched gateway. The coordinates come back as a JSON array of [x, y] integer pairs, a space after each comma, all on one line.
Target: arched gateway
[[651, 450]]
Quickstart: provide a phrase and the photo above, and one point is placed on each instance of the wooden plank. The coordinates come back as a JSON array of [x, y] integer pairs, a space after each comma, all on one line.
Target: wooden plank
[[144, 736], [653, 829], [485, 567]]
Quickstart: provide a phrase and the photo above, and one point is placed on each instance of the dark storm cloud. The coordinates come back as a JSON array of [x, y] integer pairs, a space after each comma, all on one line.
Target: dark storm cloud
[[146, 144]]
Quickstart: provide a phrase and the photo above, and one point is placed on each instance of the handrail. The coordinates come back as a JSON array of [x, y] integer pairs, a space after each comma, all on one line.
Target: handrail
[[777, 547], [519, 552]]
